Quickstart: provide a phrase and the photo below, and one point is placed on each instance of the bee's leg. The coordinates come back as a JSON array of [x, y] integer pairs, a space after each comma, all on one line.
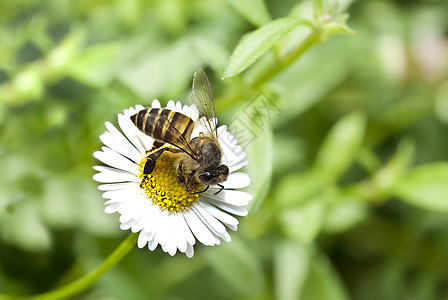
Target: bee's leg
[[221, 186], [190, 176], [157, 144], [144, 179], [152, 159], [200, 192], [180, 175]]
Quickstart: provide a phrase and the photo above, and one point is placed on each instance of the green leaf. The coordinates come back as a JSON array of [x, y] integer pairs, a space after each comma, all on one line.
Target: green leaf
[[291, 267], [312, 77], [341, 145], [441, 103], [260, 168], [301, 210], [395, 168], [336, 7], [254, 11], [96, 66], [237, 265], [254, 134], [212, 53], [343, 213], [288, 195], [24, 228], [323, 282], [164, 72], [425, 187], [253, 45], [303, 223]]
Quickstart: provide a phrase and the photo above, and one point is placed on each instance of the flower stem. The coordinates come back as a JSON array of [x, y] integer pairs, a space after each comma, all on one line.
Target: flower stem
[[86, 281], [310, 41], [280, 63]]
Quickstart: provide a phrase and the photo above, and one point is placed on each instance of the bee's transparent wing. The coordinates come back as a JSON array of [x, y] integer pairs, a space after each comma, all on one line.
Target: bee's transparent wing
[[181, 142], [202, 97]]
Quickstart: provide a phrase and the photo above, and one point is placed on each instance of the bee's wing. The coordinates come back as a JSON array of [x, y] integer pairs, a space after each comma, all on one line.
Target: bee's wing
[[202, 97], [181, 142]]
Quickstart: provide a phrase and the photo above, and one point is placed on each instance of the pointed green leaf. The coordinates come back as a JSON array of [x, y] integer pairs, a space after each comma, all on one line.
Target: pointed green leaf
[[237, 265], [341, 145], [254, 11], [291, 267], [96, 66], [425, 187], [303, 223], [260, 168], [253, 131], [323, 282], [213, 54], [396, 166], [343, 213], [253, 45]]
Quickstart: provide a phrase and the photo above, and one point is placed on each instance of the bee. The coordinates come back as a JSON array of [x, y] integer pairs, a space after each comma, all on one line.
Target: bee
[[200, 157]]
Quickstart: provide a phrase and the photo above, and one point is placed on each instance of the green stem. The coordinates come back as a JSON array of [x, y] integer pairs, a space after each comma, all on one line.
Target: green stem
[[311, 40], [281, 63], [86, 281]]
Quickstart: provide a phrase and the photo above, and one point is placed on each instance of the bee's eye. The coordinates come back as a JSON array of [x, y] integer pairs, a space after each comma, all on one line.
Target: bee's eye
[[223, 169], [206, 177]]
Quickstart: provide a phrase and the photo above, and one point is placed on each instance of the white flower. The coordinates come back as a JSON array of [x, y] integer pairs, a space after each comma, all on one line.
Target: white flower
[[148, 204]]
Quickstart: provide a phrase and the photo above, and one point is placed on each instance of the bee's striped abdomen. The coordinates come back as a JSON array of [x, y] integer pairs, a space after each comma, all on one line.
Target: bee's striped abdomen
[[164, 125]]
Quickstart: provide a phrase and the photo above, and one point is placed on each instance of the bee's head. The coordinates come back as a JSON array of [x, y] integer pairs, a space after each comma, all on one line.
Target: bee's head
[[215, 176]]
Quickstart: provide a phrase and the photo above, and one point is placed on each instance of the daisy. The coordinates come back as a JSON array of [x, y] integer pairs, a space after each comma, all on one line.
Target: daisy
[[158, 205]]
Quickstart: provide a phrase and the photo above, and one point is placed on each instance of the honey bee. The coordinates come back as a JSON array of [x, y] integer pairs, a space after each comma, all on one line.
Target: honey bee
[[200, 157]]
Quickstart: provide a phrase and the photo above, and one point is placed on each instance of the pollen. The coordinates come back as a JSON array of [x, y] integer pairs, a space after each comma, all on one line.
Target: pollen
[[164, 187]]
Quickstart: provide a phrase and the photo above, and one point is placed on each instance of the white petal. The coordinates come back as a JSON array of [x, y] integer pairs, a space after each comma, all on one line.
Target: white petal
[[185, 230], [208, 219], [190, 251], [194, 112], [117, 186], [233, 227], [153, 241], [111, 175], [171, 105], [213, 225], [178, 106], [115, 137], [238, 198], [152, 244], [172, 251], [113, 159], [142, 239], [236, 180], [127, 206], [163, 235], [155, 104], [233, 154], [126, 225], [201, 232], [181, 243], [225, 218], [236, 166], [138, 209], [130, 132], [141, 141], [131, 191], [112, 208], [236, 210], [150, 223], [140, 223]]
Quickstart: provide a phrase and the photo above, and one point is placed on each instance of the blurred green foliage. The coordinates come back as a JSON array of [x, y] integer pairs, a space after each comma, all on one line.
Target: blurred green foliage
[[350, 179]]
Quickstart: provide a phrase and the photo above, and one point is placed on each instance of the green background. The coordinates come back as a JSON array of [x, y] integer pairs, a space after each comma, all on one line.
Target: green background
[[349, 175]]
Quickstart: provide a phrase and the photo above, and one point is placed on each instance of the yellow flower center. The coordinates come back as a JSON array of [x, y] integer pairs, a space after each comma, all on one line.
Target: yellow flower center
[[163, 185]]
